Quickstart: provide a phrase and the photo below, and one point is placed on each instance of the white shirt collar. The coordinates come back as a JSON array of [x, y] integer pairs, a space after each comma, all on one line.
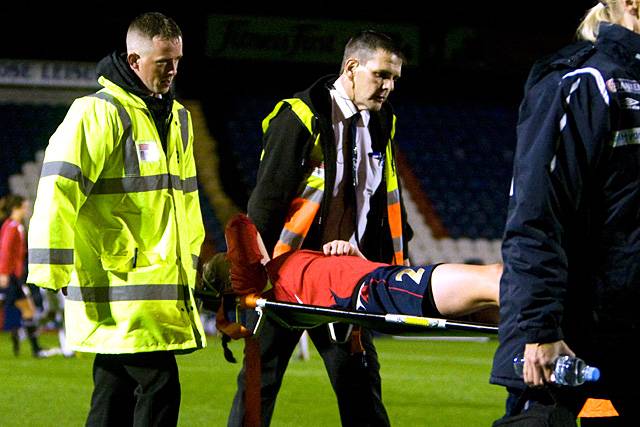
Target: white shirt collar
[[346, 105]]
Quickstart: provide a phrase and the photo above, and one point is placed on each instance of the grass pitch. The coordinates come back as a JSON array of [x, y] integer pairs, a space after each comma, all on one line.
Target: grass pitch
[[425, 383]]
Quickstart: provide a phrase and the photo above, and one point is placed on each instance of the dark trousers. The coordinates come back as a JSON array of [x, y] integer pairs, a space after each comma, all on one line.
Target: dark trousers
[[141, 389], [355, 378]]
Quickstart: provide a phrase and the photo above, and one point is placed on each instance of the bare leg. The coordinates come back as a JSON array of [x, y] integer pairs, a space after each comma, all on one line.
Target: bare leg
[[460, 289]]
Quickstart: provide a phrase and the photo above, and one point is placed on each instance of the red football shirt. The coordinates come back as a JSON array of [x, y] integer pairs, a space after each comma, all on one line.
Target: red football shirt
[[310, 277], [13, 248]]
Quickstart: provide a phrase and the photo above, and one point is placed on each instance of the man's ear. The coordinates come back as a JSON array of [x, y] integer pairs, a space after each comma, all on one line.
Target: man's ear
[[350, 67], [132, 59]]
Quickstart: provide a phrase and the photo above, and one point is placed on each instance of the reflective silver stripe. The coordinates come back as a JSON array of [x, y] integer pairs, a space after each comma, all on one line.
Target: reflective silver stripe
[[70, 171], [290, 238], [138, 184], [397, 244], [131, 184], [312, 194], [190, 184], [176, 184], [50, 256], [131, 163], [183, 116], [393, 197], [194, 259], [103, 294]]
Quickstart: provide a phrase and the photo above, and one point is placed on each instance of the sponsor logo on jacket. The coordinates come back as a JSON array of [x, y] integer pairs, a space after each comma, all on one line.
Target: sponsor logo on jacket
[[623, 85], [626, 137]]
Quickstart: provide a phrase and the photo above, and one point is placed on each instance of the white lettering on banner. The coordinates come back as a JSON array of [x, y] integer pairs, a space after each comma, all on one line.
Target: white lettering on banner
[[48, 73], [295, 40], [626, 137], [13, 70]]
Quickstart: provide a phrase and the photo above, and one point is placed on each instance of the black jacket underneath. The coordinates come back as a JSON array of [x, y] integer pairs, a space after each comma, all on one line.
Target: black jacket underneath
[[287, 145], [115, 68]]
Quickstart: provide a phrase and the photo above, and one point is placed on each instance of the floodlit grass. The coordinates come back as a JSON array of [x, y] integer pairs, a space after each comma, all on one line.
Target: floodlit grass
[[425, 383]]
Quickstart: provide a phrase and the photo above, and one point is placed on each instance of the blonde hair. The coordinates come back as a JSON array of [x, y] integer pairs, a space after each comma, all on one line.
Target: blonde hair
[[588, 29], [605, 11]]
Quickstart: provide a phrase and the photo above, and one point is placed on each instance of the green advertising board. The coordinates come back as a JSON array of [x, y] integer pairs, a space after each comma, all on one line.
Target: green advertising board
[[295, 40]]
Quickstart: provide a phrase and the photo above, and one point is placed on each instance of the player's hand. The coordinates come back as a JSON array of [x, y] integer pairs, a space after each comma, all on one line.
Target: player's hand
[[4, 280], [341, 247], [64, 291]]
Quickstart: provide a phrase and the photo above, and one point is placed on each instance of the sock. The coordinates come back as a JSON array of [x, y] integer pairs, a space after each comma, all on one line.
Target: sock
[[62, 339], [30, 326], [15, 341], [247, 272]]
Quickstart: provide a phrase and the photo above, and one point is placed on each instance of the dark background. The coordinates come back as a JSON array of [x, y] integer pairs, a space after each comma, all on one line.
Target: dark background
[[501, 41], [456, 102]]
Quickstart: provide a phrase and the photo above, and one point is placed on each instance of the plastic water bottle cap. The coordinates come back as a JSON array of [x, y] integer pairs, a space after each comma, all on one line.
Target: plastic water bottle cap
[[592, 374]]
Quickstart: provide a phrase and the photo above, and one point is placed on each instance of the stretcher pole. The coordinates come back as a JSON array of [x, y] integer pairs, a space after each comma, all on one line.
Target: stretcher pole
[[367, 319], [431, 322]]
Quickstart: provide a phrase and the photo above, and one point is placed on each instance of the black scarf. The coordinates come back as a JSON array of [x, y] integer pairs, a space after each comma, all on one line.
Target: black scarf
[[116, 69]]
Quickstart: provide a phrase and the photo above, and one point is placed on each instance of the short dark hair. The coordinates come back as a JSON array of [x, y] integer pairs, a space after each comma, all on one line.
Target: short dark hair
[[364, 44], [152, 24], [8, 203]]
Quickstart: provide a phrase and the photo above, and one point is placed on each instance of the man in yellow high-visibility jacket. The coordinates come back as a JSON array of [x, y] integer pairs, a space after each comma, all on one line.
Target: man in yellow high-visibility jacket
[[117, 227], [328, 172]]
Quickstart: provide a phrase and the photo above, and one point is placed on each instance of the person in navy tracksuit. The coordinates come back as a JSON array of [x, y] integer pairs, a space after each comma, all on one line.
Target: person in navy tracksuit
[[571, 250]]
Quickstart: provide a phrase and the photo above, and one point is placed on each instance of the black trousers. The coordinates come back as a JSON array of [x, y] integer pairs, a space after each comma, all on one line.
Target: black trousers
[[141, 389], [355, 378]]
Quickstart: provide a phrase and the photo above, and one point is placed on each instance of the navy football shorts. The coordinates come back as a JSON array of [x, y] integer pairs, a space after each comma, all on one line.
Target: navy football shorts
[[397, 290]]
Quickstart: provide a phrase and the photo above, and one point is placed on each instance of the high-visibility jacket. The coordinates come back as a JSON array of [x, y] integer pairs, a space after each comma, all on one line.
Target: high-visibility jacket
[[117, 221], [304, 207]]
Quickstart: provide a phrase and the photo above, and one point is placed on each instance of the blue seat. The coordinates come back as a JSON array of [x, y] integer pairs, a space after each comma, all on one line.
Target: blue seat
[[462, 156], [25, 130]]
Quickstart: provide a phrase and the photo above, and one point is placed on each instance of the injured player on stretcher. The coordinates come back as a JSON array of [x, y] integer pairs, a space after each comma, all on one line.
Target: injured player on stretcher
[[341, 277]]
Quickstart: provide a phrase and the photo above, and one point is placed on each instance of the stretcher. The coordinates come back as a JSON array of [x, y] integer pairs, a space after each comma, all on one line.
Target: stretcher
[[302, 316], [251, 310]]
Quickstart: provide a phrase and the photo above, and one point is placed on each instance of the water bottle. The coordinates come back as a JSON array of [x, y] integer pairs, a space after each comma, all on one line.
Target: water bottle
[[569, 371]]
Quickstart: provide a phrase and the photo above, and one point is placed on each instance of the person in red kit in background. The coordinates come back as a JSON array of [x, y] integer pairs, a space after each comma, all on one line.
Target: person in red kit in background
[[14, 209]]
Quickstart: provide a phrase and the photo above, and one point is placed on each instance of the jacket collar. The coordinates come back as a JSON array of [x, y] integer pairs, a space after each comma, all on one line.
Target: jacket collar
[[620, 43], [123, 95], [318, 98]]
